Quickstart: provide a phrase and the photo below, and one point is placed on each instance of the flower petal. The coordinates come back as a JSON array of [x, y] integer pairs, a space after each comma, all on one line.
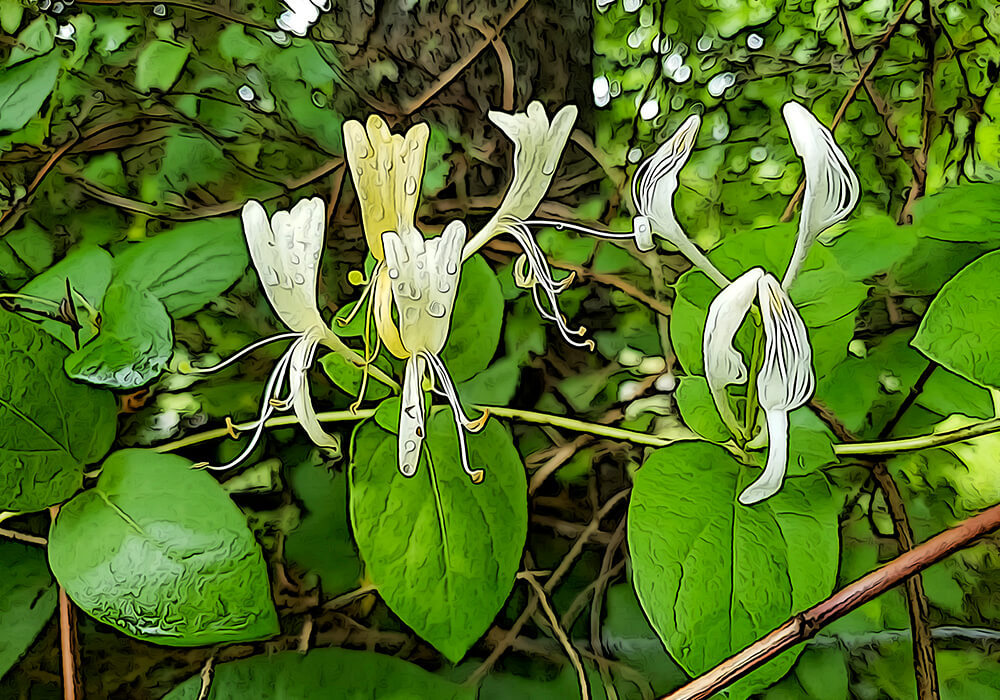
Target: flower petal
[[301, 359], [285, 252], [832, 188], [411, 416], [387, 170], [786, 379], [723, 364], [655, 181], [771, 480], [538, 146]]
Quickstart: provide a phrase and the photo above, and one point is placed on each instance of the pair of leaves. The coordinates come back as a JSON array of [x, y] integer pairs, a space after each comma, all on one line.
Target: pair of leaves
[[138, 291], [158, 551], [50, 427], [714, 576], [442, 551]]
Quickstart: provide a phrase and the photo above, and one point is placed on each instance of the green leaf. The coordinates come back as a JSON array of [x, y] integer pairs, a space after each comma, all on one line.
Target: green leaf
[[186, 267], [158, 551], [945, 393], [961, 329], [159, 65], [714, 576], [442, 551], [24, 89], [970, 212], [476, 321], [697, 408], [133, 345], [322, 673], [50, 427], [322, 541], [27, 599], [348, 376], [873, 245]]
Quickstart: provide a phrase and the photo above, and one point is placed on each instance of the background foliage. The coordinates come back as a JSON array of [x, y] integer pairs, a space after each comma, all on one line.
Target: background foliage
[[130, 142]]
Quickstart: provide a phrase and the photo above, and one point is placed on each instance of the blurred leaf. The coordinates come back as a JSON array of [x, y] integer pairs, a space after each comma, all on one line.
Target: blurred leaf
[[340, 673], [158, 551], [969, 213], [188, 266], [322, 541], [698, 409], [159, 65], [24, 89], [441, 550], [713, 575], [133, 345], [50, 427], [961, 329], [27, 599]]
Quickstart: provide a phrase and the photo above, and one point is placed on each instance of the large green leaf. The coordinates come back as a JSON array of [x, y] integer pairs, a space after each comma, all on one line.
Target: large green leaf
[[50, 427], [158, 551], [961, 329], [476, 321], [24, 89], [713, 575], [442, 550], [186, 267], [970, 212], [322, 673], [133, 345], [27, 599]]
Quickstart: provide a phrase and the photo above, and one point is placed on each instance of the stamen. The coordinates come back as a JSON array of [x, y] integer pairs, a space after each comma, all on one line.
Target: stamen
[[579, 228], [369, 286], [231, 429], [241, 354], [439, 373]]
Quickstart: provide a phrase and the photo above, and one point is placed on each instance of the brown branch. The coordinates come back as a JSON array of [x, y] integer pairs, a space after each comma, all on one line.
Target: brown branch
[[72, 689], [506, 63], [880, 46], [805, 625], [928, 38], [924, 666], [22, 537], [542, 597]]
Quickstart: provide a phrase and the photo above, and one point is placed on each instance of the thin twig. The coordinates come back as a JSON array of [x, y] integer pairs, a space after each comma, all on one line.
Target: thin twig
[[207, 676], [805, 625], [560, 634], [23, 537], [72, 689]]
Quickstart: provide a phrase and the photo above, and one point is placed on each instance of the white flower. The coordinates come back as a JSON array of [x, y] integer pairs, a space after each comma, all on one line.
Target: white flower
[[285, 252], [301, 15], [832, 188], [424, 275], [786, 379], [653, 186]]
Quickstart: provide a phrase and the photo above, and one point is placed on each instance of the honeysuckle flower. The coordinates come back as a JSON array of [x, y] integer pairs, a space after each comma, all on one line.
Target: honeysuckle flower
[[285, 251], [301, 15], [786, 379], [832, 188], [424, 274], [387, 170], [653, 186]]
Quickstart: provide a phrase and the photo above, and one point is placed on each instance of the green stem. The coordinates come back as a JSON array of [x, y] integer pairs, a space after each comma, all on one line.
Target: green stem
[[920, 442], [911, 444]]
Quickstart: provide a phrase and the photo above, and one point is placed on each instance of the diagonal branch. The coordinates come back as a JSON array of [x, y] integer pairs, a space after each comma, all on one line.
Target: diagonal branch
[[805, 625]]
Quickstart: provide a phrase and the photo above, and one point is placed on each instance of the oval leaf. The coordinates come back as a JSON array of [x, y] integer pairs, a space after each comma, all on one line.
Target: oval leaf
[[714, 576], [27, 600], [50, 427], [24, 89], [476, 321], [157, 550], [442, 550], [961, 329], [322, 673]]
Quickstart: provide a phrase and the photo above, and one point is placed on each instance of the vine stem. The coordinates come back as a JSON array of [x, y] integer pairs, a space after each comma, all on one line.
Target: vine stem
[[67, 640], [859, 449], [805, 625]]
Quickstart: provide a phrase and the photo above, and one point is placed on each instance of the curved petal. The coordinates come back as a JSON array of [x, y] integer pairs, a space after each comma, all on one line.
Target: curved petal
[[723, 364], [411, 416], [300, 16], [302, 354], [832, 188], [769, 483], [538, 146], [285, 253], [786, 379], [655, 180], [387, 170], [385, 326]]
